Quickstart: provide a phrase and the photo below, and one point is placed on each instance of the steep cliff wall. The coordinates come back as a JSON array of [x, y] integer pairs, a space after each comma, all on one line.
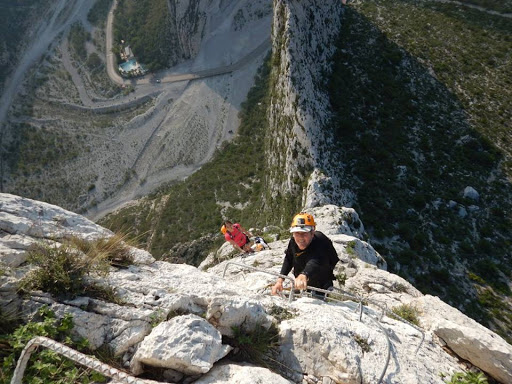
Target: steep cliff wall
[[303, 34], [199, 23]]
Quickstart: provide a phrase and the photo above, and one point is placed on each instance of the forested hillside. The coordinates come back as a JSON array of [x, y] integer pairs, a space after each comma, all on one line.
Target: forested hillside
[[145, 26], [421, 93]]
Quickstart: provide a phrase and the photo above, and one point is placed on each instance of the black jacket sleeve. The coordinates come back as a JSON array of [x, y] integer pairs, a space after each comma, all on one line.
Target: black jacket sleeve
[[288, 260]]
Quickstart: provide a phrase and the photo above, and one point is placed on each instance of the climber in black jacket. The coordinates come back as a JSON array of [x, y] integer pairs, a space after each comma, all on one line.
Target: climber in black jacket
[[310, 254]]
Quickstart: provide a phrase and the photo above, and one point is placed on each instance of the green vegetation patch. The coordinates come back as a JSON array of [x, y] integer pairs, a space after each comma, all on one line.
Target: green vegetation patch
[[468, 378], [78, 36], [419, 116], [63, 270], [257, 346], [37, 148], [145, 26], [406, 312], [46, 366], [99, 12]]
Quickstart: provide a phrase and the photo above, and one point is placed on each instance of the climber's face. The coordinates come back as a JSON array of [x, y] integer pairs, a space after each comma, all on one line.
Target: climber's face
[[303, 239]]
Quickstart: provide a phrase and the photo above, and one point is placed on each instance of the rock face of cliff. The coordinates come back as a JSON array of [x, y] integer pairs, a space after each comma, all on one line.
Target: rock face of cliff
[[199, 24], [303, 33], [387, 136], [169, 309]]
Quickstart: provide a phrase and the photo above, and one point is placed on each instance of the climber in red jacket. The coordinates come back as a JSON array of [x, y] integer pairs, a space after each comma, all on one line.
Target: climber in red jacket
[[237, 236]]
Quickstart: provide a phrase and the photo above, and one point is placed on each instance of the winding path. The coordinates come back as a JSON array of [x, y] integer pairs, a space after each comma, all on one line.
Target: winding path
[[167, 76], [50, 31]]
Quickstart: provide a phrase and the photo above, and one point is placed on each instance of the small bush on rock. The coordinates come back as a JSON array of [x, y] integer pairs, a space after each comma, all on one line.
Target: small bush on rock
[[256, 346], [46, 366], [106, 251], [406, 312], [62, 269], [468, 378]]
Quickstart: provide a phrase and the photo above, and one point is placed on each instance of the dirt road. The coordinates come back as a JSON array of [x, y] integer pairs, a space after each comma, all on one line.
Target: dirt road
[[192, 112]]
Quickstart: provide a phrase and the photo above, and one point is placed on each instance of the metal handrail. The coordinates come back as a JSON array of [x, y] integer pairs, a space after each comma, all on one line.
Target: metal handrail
[[386, 311], [328, 295], [78, 357], [290, 299]]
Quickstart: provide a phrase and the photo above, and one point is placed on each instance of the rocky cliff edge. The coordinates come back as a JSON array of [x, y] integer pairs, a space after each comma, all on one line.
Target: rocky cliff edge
[[180, 318]]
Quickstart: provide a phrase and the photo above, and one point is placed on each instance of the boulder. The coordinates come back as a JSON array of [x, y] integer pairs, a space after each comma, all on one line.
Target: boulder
[[467, 338], [187, 344], [241, 373], [471, 193], [226, 313]]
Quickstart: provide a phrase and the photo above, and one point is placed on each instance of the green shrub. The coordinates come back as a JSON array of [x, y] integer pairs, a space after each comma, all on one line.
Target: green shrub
[[46, 366], [113, 250], [406, 312], [93, 61], [62, 270], [78, 36], [99, 12], [280, 313], [468, 378], [363, 343], [341, 278], [256, 347]]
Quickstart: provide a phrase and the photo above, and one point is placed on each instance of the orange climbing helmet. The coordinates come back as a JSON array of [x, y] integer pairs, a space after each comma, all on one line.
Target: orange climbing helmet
[[223, 229], [302, 222]]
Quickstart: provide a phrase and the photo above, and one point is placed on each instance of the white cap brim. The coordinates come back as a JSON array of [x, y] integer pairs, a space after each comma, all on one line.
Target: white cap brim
[[305, 228]]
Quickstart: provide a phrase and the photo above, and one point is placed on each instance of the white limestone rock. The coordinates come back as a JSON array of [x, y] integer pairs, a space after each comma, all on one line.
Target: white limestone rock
[[225, 313], [171, 287], [382, 287], [13, 248], [42, 220], [334, 220], [467, 338], [352, 248], [24, 222], [223, 253], [241, 373], [471, 193], [187, 344], [98, 322], [87, 325], [328, 342], [141, 256]]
